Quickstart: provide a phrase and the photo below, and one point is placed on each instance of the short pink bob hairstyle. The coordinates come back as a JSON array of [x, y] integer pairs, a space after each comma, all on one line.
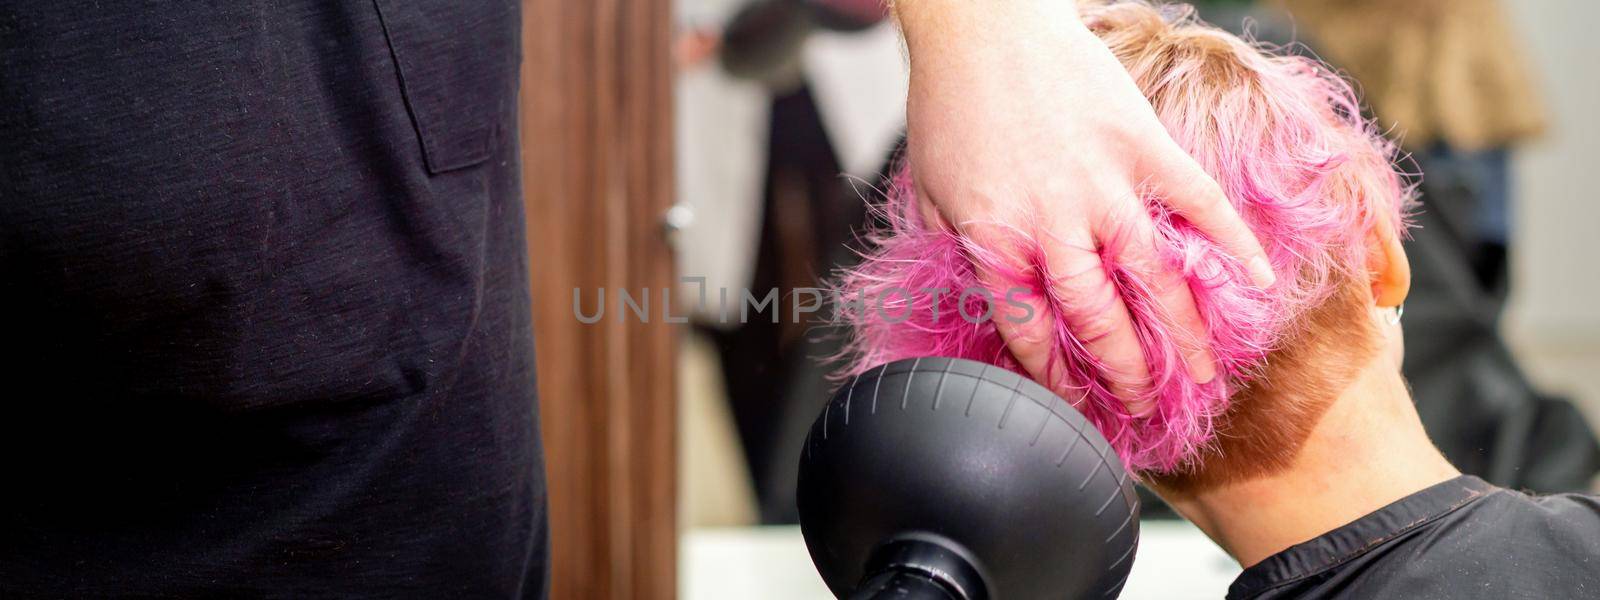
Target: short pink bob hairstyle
[[1285, 138]]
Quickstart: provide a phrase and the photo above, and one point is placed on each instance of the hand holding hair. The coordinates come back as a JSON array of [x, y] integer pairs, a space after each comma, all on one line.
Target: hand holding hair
[[1021, 121]]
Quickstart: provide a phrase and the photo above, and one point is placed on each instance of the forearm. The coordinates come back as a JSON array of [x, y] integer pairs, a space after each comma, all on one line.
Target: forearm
[[978, 55], [943, 31]]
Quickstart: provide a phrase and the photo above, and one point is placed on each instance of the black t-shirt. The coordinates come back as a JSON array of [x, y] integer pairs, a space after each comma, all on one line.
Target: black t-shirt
[[1462, 539], [263, 302]]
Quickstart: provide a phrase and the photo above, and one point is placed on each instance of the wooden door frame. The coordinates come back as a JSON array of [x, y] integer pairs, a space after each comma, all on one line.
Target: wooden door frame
[[596, 126]]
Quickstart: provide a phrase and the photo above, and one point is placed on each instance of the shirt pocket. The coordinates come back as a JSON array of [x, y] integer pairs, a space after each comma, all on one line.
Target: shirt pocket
[[457, 64]]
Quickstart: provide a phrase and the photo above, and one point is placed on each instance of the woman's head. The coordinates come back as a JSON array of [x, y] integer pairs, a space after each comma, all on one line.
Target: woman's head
[[1284, 138]]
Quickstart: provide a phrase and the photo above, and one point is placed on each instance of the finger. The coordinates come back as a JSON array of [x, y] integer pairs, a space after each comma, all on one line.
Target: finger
[[1132, 239], [1029, 331], [1080, 295], [1031, 337], [1186, 188], [1091, 306]]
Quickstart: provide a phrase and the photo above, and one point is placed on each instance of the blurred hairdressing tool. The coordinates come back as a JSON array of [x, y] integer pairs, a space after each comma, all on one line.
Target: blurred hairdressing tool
[[940, 478]]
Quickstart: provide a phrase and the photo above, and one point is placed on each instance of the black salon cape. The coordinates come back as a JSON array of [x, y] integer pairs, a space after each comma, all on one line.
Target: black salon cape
[[1462, 539], [263, 302]]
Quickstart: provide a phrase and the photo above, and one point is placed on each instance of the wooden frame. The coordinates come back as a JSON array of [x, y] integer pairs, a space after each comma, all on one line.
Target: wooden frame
[[596, 124]]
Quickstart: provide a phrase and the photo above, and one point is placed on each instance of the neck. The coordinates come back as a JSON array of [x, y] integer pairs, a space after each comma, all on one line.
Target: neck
[[1368, 450]]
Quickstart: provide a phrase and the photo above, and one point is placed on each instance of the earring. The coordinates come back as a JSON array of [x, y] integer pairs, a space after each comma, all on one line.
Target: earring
[[1399, 311]]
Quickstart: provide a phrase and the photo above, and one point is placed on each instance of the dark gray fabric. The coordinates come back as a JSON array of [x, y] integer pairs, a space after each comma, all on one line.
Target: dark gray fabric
[[1463, 539], [264, 302]]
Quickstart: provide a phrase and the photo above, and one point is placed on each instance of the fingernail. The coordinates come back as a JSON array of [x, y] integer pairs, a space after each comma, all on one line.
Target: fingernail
[[1261, 272]]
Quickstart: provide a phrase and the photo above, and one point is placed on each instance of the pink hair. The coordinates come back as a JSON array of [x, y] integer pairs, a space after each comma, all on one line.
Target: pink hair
[[1284, 137]]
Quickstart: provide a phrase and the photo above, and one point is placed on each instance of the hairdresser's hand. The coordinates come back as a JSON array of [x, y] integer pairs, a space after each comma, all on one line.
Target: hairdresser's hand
[[1021, 119]]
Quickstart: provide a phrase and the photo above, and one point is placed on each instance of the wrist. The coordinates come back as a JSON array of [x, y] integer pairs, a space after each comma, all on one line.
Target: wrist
[[967, 31], [984, 18]]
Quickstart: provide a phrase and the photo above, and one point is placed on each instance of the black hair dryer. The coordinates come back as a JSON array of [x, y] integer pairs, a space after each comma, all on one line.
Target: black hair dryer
[[940, 478]]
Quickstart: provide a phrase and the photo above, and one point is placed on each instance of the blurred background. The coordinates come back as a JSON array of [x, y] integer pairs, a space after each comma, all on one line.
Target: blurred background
[[788, 112], [680, 148]]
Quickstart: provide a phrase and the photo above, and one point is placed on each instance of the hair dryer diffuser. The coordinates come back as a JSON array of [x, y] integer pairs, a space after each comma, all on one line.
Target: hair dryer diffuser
[[948, 478]]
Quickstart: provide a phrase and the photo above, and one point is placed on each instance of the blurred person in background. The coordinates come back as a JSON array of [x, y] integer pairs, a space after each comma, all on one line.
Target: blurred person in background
[[787, 113]]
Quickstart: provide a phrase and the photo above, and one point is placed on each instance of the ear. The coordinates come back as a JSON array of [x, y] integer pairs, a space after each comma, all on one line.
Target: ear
[[1391, 272]]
